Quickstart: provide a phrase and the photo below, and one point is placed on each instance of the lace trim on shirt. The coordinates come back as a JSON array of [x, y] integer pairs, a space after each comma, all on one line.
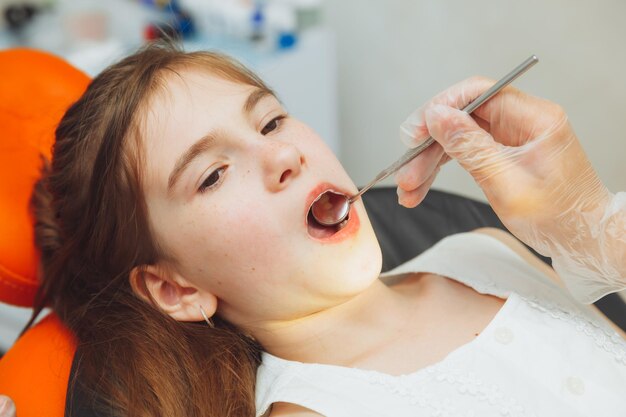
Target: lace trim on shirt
[[466, 383], [605, 338]]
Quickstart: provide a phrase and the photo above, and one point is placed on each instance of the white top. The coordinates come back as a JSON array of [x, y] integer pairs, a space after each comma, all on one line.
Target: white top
[[543, 354]]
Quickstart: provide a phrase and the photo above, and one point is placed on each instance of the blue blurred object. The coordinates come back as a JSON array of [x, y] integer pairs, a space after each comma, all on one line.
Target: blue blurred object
[[257, 20], [286, 40], [177, 24]]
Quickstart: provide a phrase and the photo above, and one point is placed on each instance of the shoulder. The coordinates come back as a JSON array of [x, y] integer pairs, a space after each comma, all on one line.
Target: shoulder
[[290, 410], [407, 280], [519, 248]]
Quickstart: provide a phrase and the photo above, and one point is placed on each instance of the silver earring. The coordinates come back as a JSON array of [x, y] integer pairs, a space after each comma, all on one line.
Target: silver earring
[[206, 318]]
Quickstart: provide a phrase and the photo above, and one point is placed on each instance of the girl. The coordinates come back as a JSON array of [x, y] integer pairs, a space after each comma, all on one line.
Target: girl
[[178, 246]]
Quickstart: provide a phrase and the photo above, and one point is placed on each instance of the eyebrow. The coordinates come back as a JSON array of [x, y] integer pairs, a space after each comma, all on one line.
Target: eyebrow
[[206, 142]]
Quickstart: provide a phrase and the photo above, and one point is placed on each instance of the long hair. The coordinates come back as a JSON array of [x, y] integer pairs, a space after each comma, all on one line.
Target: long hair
[[92, 229]]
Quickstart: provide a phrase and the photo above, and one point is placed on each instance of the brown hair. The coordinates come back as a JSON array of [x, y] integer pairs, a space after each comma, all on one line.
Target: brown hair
[[92, 230]]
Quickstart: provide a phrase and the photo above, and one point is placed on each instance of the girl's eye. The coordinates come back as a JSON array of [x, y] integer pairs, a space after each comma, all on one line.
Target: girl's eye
[[272, 125], [214, 178]]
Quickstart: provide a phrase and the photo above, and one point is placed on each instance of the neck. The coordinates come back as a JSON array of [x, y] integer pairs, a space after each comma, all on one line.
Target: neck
[[342, 334]]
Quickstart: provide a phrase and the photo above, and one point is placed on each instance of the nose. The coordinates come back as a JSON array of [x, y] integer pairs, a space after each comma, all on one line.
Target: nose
[[282, 162]]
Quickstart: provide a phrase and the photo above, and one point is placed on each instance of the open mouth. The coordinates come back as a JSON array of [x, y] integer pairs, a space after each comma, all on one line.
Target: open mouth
[[330, 234], [319, 231]]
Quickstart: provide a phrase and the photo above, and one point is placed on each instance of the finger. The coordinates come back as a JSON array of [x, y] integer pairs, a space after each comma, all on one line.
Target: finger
[[511, 116], [462, 139], [444, 160], [410, 199], [414, 173], [7, 407], [413, 129], [516, 118], [462, 93], [484, 125]]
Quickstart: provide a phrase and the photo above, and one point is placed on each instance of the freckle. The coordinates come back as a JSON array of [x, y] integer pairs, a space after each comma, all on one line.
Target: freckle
[[476, 334], [253, 268]]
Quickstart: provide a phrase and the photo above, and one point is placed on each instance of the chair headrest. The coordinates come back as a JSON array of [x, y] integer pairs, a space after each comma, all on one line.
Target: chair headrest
[[36, 89]]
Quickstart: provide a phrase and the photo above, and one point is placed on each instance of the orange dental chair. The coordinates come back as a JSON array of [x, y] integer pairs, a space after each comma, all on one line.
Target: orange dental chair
[[35, 90]]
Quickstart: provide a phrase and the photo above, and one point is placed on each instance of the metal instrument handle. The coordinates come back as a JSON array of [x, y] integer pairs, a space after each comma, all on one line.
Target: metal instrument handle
[[413, 152]]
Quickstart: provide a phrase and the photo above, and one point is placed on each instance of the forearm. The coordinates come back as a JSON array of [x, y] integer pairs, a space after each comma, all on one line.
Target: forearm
[[593, 263]]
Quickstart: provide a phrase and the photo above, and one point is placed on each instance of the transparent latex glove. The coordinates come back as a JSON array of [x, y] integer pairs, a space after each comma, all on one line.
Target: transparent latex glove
[[7, 408], [523, 153]]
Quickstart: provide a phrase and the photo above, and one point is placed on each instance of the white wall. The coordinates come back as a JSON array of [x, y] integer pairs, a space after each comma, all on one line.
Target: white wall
[[396, 54]]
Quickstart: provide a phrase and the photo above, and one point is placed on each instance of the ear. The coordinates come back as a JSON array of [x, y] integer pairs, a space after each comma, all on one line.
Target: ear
[[172, 293]]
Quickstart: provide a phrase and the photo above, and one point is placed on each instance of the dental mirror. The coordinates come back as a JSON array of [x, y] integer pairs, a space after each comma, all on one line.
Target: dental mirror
[[331, 207]]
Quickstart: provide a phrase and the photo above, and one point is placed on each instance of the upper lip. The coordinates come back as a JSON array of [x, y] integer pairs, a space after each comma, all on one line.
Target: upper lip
[[319, 189]]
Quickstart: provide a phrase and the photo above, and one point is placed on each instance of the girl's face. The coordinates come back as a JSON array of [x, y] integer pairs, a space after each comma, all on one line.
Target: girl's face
[[229, 180]]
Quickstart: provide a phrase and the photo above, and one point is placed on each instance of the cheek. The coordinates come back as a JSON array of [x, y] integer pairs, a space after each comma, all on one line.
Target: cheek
[[227, 244]]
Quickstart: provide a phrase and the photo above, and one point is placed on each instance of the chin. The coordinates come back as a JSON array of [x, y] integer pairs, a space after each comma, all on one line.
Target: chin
[[363, 266], [373, 254]]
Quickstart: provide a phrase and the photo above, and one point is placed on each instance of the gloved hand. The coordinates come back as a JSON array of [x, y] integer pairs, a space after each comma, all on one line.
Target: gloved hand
[[523, 153], [7, 408]]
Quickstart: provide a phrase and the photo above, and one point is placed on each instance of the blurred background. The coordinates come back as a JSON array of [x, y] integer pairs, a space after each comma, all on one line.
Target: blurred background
[[353, 70]]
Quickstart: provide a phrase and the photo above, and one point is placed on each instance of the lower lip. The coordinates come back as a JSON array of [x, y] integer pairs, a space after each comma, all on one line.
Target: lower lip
[[347, 231]]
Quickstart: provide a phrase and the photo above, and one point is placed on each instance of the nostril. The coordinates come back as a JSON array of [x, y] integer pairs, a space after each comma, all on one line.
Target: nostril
[[285, 175]]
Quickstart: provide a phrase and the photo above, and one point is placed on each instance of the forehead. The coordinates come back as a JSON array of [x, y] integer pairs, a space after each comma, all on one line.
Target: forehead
[[189, 103], [188, 87]]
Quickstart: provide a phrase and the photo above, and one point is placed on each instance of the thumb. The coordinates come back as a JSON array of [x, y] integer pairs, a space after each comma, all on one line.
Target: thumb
[[462, 139]]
